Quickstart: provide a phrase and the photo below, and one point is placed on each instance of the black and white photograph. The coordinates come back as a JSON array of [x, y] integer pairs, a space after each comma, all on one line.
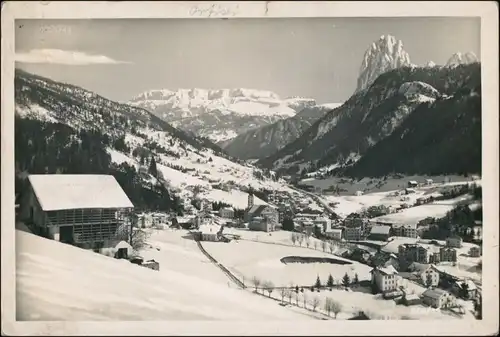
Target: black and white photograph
[[216, 167]]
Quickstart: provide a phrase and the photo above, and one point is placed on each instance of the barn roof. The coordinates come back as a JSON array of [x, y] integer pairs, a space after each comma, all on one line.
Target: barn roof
[[76, 191]]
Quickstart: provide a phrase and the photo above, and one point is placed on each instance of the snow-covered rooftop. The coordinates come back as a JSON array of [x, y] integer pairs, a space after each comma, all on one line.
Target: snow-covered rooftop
[[76, 191]]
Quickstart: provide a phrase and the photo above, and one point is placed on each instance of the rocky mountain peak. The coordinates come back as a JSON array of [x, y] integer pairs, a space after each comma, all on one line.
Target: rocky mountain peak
[[385, 54]]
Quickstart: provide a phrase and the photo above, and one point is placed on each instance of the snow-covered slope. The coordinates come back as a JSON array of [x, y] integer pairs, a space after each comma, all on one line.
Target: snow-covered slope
[[462, 58], [383, 55], [219, 114], [187, 166], [59, 282]]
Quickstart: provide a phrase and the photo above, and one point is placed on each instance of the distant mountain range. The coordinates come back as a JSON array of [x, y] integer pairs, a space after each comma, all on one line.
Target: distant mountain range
[[219, 115]]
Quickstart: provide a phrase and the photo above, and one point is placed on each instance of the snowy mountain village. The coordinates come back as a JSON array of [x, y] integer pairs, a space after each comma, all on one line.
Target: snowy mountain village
[[367, 209]]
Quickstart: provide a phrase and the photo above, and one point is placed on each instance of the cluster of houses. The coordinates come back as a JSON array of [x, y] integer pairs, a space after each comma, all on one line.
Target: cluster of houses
[[391, 283]]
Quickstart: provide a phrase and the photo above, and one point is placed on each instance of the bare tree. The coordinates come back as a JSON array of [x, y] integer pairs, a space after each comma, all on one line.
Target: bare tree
[[289, 295], [296, 297], [255, 282], [336, 307], [283, 293], [315, 302], [328, 305], [315, 244], [323, 245], [308, 242], [304, 299], [332, 246], [294, 238], [136, 237], [300, 239]]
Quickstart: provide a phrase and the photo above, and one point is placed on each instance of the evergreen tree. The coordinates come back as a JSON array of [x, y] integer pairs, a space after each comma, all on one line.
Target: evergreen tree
[[152, 168], [318, 283], [288, 224], [346, 280], [330, 282]]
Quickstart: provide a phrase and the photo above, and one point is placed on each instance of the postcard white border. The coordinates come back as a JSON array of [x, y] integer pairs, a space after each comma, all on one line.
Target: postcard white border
[[487, 10]]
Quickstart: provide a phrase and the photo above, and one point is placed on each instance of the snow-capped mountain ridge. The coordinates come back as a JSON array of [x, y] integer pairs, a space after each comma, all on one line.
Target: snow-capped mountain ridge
[[385, 54], [219, 114], [462, 58]]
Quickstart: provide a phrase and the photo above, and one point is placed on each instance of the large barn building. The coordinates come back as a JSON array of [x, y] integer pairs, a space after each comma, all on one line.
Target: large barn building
[[82, 210]]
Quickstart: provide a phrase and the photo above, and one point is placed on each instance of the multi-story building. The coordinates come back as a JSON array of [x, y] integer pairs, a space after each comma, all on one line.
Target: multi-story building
[[356, 229], [385, 279], [406, 230], [447, 254], [412, 253]]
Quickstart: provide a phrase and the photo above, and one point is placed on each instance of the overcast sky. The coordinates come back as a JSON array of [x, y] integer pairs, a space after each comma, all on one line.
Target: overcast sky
[[311, 57]]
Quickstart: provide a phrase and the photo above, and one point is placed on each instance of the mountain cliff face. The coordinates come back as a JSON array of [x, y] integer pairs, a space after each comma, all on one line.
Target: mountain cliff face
[[219, 115], [266, 140], [383, 55], [349, 132]]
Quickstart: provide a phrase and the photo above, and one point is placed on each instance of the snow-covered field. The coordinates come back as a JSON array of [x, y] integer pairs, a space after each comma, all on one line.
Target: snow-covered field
[[371, 185], [248, 259], [413, 215], [61, 282]]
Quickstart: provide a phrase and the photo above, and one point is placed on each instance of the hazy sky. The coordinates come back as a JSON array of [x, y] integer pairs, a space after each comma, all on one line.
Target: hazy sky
[[310, 57]]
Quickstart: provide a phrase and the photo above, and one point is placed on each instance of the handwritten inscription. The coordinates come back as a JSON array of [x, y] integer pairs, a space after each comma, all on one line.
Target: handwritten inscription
[[55, 29], [213, 10]]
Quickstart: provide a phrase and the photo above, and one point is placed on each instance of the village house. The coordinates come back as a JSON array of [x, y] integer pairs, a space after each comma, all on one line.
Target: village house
[[379, 233], [429, 182], [226, 212], [475, 251], [447, 254], [454, 241], [260, 223], [438, 298], [358, 193], [207, 232], [466, 289], [385, 279], [410, 191], [412, 253], [82, 210], [428, 275], [405, 230], [412, 183], [392, 261]]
